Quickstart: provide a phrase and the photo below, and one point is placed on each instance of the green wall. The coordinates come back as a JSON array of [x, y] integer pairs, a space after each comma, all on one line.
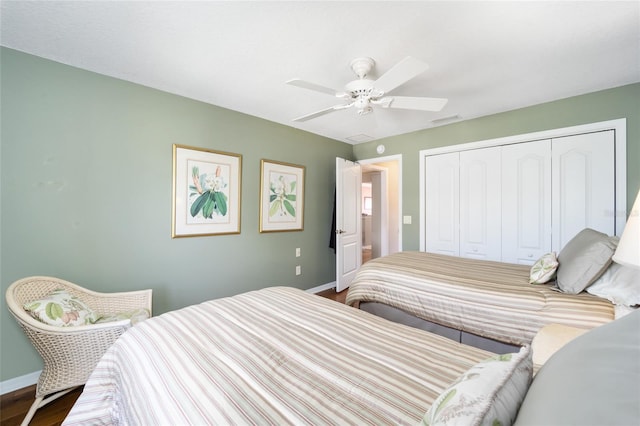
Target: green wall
[[86, 186], [86, 181], [621, 102]]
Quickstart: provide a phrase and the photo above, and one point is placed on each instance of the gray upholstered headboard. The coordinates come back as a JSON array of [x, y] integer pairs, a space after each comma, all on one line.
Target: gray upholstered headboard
[[593, 380]]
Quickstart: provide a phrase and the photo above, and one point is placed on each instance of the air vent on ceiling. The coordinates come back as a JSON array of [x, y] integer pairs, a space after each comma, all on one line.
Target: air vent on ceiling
[[360, 138], [446, 119]]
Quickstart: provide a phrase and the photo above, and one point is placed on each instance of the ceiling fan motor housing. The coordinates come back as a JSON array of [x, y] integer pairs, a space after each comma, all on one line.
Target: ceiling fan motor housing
[[359, 87], [361, 93]]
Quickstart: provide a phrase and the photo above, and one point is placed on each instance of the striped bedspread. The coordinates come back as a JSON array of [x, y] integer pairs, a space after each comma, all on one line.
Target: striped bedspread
[[274, 356], [489, 299]]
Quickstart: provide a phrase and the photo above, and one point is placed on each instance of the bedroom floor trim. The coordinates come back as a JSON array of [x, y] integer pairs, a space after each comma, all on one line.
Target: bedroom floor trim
[[19, 382], [323, 287]]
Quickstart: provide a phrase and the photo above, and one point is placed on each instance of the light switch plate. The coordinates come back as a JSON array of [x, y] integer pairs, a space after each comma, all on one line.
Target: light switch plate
[[406, 220]]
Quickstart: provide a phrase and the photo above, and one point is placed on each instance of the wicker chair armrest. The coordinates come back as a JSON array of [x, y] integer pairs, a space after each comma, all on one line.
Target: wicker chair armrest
[[26, 320], [32, 288], [97, 328], [104, 304], [115, 303]]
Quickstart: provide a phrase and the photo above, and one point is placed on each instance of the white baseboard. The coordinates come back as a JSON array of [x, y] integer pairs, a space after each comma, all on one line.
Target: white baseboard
[[323, 287], [19, 382]]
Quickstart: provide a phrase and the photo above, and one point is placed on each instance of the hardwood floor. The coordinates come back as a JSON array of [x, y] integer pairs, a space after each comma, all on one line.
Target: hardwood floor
[[366, 255], [14, 405], [331, 294]]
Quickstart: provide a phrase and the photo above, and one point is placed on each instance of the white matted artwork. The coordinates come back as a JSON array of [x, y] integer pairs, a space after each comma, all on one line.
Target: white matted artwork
[[206, 192], [281, 196]]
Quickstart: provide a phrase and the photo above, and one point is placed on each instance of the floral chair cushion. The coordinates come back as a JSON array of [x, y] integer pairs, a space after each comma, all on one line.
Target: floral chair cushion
[[61, 309]]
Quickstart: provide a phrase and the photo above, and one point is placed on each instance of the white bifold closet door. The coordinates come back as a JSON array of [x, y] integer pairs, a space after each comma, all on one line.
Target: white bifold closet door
[[526, 201], [514, 203], [442, 207], [583, 185], [480, 204]]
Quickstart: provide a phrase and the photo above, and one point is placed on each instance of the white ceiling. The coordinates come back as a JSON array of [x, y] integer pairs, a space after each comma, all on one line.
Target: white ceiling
[[485, 57]]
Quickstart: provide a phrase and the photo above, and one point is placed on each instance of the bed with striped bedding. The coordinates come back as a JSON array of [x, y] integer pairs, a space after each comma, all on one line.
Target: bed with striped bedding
[[493, 300], [272, 356]]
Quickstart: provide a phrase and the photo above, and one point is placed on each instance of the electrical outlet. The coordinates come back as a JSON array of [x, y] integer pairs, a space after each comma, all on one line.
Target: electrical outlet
[[298, 252], [298, 270], [406, 220]]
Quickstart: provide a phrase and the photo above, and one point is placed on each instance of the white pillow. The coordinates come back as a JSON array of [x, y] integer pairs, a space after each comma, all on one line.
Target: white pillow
[[544, 270], [489, 393], [61, 309], [620, 284]]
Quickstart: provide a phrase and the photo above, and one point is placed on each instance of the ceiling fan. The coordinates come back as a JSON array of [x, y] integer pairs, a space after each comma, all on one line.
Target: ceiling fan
[[364, 93]]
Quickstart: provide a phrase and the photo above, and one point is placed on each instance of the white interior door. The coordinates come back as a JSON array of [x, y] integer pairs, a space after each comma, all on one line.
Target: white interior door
[[348, 221]]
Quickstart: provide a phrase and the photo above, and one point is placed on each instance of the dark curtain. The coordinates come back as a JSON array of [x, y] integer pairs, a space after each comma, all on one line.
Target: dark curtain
[[332, 237]]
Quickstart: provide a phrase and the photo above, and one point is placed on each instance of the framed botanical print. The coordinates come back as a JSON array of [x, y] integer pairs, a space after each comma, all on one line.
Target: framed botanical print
[[281, 196], [206, 192]]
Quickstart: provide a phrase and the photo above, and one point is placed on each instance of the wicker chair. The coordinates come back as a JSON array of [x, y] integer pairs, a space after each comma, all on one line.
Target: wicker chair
[[69, 353]]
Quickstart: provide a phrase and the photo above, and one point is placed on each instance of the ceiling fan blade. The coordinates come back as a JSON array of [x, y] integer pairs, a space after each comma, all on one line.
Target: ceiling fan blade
[[400, 73], [422, 104], [315, 87], [322, 112]]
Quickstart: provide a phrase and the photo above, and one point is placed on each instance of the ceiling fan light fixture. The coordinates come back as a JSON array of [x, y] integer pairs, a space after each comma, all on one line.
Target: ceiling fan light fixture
[[361, 103]]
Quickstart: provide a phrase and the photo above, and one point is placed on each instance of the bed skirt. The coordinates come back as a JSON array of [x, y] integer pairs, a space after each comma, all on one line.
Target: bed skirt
[[402, 317]]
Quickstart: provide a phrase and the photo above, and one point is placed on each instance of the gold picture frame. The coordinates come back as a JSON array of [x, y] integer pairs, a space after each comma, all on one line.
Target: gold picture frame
[[207, 194], [281, 196]]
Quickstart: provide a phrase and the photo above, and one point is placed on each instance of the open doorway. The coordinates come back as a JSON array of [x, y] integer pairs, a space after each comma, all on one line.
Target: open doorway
[[367, 215], [381, 207]]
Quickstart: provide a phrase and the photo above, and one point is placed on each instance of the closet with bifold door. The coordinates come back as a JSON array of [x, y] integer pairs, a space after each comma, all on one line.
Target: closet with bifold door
[[517, 200]]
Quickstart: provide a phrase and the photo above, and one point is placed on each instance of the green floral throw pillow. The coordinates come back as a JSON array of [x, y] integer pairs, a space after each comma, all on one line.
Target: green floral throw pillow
[[61, 309], [544, 270], [489, 393]]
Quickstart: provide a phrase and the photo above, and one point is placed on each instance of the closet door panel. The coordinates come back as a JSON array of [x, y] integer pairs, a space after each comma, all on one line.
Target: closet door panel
[[480, 204], [583, 174], [526, 201], [442, 207]]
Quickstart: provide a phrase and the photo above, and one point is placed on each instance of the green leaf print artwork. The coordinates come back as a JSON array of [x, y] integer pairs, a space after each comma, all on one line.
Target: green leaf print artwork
[[282, 198], [208, 187]]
